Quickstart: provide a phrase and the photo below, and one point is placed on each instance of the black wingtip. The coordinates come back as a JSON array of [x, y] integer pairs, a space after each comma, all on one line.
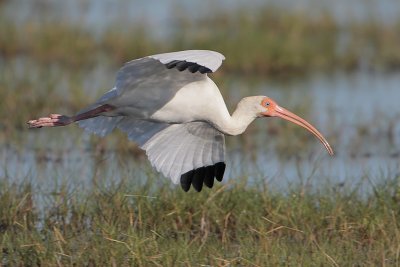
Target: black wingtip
[[182, 65], [203, 70], [204, 175], [209, 176], [186, 180], [198, 178], [172, 64], [219, 171]]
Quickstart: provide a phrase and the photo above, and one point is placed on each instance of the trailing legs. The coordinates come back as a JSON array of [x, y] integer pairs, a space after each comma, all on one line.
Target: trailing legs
[[54, 120]]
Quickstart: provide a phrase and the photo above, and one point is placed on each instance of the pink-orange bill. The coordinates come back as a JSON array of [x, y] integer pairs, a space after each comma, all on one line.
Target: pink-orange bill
[[287, 115]]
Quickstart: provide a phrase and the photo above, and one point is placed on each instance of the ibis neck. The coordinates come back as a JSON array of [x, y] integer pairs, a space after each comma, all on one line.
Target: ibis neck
[[237, 123]]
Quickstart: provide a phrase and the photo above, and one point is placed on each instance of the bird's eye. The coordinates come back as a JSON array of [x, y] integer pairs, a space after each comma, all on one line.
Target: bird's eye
[[266, 104]]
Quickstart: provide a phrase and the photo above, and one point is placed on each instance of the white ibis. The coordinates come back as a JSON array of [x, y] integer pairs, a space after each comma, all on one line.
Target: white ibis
[[168, 105]]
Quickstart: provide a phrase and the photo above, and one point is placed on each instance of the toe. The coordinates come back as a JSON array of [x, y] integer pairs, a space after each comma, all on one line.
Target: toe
[[51, 121]]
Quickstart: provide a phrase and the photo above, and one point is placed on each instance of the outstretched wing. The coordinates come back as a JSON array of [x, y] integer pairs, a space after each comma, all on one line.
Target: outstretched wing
[[147, 84], [169, 70], [191, 153]]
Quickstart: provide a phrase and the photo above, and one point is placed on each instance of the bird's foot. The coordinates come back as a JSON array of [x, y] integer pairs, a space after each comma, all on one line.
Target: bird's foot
[[51, 121]]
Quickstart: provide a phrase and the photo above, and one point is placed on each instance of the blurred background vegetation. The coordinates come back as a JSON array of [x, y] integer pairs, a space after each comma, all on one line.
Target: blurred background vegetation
[[261, 39], [67, 198]]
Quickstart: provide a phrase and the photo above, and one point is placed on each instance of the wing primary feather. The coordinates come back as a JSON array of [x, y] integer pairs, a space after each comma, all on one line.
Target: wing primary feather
[[203, 70], [183, 65], [193, 68], [172, 64], [209, 176], [198, 178], [186, 180], [219, 170]]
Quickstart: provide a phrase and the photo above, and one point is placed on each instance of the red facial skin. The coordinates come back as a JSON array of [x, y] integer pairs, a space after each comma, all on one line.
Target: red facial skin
[[274, 110]]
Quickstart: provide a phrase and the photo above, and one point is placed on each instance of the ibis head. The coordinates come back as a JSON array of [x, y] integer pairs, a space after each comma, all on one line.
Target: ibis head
[[272, 109]]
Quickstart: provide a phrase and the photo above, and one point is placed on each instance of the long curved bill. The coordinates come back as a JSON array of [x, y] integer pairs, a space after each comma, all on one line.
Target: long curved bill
[[287, 115]]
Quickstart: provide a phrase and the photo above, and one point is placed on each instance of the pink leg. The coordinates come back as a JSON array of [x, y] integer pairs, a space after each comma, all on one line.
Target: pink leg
[[51, 121], [62, 120]]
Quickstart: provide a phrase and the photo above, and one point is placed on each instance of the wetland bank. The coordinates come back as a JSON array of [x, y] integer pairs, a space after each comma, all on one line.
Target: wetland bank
[[67, 198]]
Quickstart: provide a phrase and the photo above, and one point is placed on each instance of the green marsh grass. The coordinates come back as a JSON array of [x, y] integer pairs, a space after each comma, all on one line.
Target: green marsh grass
[[269, 40], [124, 224]]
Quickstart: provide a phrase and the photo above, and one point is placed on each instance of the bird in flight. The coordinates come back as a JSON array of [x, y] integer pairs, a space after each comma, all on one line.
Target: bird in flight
[[168, 105]]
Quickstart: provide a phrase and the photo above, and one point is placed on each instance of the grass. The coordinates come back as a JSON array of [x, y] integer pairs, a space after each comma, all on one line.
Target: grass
[[231, 225], [269, 40]]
